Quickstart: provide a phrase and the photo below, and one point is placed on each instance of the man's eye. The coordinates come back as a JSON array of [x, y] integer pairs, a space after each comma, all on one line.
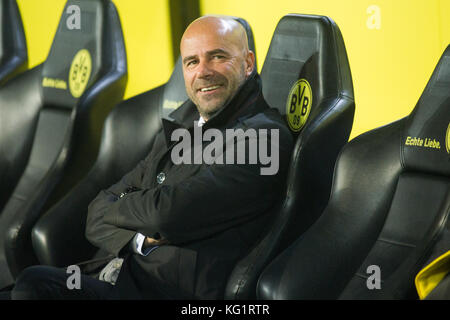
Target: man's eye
[[191, 63], [218, 56]]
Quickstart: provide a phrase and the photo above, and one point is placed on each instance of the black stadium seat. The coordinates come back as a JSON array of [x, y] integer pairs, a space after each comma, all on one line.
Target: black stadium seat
[[128, 136], [51, 120], [13, 46], [387, 214], [306, 76]]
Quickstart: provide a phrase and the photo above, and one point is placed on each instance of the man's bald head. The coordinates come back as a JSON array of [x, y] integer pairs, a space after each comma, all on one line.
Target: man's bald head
[[224, 27], [216, 61]]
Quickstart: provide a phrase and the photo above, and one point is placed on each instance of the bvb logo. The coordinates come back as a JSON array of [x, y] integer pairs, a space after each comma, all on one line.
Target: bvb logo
[[79, 73], [447, 138], [299, 104]]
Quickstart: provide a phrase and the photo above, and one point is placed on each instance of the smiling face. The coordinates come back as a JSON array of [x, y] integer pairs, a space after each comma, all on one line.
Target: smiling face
[[216, 62]]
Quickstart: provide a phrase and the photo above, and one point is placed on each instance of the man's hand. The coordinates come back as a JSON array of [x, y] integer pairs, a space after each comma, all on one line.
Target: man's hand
[[153, 242]]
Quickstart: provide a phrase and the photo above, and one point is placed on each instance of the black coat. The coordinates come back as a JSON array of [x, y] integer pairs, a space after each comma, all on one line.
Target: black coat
[[211, 214]]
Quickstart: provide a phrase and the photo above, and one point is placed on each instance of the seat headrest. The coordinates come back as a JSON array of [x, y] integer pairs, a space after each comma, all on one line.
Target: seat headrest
[[85, 42], [175, 91], [426, 140], [13, 47], [306, 63]]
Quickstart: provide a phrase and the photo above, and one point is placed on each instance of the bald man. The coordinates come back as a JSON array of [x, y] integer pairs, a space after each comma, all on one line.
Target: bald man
[[177, 228], [216, 62]]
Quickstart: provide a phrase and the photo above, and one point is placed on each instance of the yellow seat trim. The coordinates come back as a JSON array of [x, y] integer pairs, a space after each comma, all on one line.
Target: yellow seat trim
[[430, 276]]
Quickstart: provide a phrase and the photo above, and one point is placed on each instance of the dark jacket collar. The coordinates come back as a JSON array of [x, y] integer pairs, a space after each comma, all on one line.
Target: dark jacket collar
[[243, 104]]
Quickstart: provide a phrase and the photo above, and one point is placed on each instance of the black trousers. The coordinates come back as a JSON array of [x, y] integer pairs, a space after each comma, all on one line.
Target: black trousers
[[50, 283]]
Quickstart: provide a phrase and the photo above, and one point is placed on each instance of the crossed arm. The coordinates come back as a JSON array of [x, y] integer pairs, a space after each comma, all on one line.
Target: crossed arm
[[209, 202], [212, 199]]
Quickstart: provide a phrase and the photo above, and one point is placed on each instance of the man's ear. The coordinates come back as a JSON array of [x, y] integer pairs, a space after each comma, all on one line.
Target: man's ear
[[250, 59]]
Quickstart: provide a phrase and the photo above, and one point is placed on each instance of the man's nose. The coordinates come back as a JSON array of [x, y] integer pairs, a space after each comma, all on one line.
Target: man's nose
[[204, 70]]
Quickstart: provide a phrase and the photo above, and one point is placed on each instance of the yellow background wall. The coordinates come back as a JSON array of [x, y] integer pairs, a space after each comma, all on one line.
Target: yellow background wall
[[390, 65]]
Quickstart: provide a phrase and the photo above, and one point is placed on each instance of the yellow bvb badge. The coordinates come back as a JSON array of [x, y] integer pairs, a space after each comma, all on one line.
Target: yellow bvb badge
[[298, 104], [79, 73], [447, 138]]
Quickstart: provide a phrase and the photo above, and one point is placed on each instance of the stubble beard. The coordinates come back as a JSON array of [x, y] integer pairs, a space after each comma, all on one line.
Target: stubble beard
[[208, 114]]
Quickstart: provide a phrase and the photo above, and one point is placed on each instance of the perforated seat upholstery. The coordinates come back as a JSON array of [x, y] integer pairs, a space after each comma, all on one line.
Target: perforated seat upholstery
[[51, 122], [388, 211], [306, 72], [13, 46], [128, 136]]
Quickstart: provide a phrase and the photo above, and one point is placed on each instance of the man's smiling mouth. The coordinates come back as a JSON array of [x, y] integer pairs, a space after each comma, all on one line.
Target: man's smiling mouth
[[206, 89]]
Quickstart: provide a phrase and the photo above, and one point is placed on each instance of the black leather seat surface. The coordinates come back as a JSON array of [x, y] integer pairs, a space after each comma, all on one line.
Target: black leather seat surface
[[388, 211], [51, 123], [306, 76], [13, 46], [127, 138]]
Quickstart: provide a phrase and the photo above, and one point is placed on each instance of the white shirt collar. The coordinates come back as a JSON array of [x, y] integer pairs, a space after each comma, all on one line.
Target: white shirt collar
[[201, 121]]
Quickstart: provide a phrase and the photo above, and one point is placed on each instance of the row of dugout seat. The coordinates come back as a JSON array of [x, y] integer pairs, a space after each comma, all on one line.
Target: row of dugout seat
[[51, 121], [314, 248], [388, 208]]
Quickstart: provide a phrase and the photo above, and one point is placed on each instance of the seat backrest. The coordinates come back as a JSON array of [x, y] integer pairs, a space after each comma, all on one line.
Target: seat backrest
[[388, 209], [128, 136], [306, 76], [13, 46], [83, 77]]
